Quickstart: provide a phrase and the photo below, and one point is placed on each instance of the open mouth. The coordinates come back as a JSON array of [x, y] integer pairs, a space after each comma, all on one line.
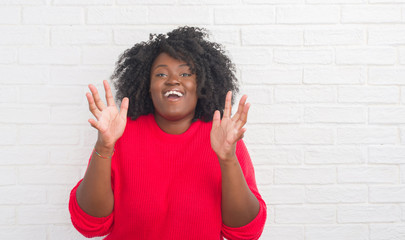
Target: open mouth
[[173, 95]]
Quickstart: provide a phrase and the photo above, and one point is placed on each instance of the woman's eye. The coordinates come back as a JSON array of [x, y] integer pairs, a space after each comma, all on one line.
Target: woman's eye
[[185, 74], [160, 75]]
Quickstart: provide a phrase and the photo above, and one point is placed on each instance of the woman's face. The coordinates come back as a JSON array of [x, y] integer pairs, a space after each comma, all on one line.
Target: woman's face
[[173, 88]]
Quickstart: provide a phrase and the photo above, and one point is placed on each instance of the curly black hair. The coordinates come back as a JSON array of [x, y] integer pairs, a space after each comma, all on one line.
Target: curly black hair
[[214, 71]]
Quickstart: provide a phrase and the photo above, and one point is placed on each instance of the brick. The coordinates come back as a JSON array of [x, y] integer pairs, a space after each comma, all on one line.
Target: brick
[[50, 55], [402, 135], [10, 15], [304, 135], [141, 2], [279, 232], [18, 114], [102, 55], [52, 95], [366, 55], [225, 35], [58, 194], [386, 36], [8, 134], [67, 232], [303, 56], [324, 175], [386, 75], [264, 175], [117, 15], [387, 194], [402, 169], [24, 75], [386, 114], [304, 94], [80, 36], [69, 155], [308, 14], [368, 213], [402, 52], [367, 174], [55, 135], [43, 214], [334, 36], [367, 135], [8, 55], [272, 75], [256, 95], [336, 194], [130, 36], [272, 36], [306, 214], [334, 155], [284, 195], [53, 15], [371, 14], [335, 114], [83, 2], [274, 114], [79, 76], [272, 1], [244, 15], [259, 134], [16, 155], [22, 195], [387, 231], [7, 215], [7, 176], [336, 232], [387, 1], [336, 1], [180, 15], [249, 56], [364, 94], [48, 175], [279, 155], [9, 94], [203, 2], [23, 232], [70, 115]]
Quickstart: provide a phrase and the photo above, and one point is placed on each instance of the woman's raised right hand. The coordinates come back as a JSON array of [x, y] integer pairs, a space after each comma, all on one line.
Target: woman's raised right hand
[[110, 122]]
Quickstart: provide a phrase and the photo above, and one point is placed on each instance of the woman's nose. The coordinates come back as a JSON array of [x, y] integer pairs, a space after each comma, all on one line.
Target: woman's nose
[[173, 80]]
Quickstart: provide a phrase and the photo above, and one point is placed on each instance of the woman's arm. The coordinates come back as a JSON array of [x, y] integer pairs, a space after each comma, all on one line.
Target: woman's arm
[[239, 204], [94, 194]]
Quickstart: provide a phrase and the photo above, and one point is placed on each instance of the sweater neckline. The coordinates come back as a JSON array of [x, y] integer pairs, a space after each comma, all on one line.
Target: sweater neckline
[[172, 138]]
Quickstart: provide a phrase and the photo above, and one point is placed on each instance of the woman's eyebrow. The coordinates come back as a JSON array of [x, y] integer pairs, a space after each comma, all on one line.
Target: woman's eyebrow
[[163, 65]]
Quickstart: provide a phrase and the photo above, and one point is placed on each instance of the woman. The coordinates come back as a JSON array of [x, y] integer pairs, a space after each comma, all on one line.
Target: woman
[[166, 165]]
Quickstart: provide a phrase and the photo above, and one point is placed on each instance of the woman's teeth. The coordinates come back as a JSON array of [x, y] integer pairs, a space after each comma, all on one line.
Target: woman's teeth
[[179, 94]]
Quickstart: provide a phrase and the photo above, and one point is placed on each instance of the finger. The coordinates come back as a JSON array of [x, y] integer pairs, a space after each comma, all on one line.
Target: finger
[[243, 117], [216, 120], [100, 105], [93, 123], [108, 94], [241, 134], [228, 100], [124, 107], [92, 106], [240, 108]]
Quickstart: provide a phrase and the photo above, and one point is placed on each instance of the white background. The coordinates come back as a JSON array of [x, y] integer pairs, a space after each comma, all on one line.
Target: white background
[[326, 79]]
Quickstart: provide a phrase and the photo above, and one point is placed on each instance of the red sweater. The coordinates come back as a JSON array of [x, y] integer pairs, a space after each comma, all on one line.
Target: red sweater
[[167, 187]]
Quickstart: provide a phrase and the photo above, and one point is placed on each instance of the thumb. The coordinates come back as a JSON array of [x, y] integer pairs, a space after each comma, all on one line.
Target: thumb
[[124, 107], [216, 120]]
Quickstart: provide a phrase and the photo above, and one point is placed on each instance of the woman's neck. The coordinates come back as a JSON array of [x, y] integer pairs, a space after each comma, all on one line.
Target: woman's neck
[[173, 126]]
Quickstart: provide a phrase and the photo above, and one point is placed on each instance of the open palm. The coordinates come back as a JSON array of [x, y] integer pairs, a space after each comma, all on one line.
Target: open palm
[[226, 132], [110, 122]]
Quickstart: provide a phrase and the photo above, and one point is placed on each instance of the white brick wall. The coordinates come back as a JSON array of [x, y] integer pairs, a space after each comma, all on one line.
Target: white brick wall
[[326, 79]]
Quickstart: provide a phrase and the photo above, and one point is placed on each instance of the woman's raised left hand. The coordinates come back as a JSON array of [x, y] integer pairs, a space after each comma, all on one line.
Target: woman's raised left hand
[[226, 132]]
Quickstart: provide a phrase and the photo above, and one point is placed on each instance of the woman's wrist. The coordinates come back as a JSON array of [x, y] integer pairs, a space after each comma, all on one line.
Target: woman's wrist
[[104, 150]]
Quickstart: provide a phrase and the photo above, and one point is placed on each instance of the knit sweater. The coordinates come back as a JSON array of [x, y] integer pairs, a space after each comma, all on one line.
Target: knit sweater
[[167, 187]]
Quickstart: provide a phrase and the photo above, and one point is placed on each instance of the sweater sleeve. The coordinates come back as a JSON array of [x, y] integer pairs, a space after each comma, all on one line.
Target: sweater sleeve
[[254, 229], [89, 226]]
